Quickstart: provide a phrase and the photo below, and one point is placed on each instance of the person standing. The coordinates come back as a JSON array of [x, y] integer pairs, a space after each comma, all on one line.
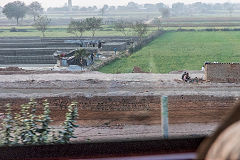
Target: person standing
[[91, 56], [115, 51], [203, 68]]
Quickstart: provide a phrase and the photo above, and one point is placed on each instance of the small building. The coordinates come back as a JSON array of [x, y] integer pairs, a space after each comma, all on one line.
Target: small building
[[64, 59], [222, 72]]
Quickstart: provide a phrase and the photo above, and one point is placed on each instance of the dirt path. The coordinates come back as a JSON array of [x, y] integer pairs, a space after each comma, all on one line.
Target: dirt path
[[97, 84], [93, 75]]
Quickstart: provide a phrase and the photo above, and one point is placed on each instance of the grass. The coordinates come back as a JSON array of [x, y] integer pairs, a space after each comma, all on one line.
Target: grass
[[181, 51]]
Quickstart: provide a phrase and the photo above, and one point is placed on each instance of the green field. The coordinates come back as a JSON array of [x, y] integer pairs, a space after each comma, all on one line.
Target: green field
[[61, 31], [181, 51]]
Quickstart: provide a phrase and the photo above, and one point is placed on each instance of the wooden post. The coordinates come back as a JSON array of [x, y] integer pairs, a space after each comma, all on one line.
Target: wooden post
[[164, 116]]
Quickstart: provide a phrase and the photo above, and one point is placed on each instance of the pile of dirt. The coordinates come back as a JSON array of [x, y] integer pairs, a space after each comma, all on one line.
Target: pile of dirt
[[11, 69], [138, 70]]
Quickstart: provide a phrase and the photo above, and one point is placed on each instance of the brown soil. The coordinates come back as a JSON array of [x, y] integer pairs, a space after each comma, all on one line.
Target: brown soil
[[137, 70], [14, 69], [107, 100]]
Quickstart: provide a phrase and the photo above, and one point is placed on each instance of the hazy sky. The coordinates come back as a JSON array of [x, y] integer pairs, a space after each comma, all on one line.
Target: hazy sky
[[99, 3]]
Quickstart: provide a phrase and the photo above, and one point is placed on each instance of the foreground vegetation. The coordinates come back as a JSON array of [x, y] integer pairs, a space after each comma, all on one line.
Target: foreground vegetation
[[29, 127], [181, 51]]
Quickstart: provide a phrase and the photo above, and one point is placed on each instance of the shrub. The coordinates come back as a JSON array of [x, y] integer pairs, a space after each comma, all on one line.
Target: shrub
[[13, 29], [236, 29], [26, 127]]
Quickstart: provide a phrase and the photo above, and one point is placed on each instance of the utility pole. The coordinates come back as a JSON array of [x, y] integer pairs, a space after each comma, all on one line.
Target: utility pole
[[164, 116]]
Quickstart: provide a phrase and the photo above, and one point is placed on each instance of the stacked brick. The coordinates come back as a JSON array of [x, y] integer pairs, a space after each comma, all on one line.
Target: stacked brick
[[223, 72]]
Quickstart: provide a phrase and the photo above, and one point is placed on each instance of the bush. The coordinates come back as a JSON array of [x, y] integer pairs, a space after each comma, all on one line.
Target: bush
[[27, 128], [13, 29], [22, 30], [108, 29], [236, 29], [226, 29]]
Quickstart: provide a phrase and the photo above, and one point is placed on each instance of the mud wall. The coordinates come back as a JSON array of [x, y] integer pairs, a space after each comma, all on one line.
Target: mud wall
[[44, 59], [135, 109], [223, 72], [120, 46]]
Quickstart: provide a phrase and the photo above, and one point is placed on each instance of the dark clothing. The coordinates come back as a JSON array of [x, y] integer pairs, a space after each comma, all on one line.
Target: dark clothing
[[91, 56], [183, 75], [186, 77]]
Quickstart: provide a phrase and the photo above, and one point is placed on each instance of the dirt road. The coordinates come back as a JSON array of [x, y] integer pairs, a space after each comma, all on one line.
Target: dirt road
[[96, 84]]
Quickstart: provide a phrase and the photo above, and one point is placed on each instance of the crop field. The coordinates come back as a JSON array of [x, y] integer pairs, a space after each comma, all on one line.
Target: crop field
[[61, 31], [175, 51]]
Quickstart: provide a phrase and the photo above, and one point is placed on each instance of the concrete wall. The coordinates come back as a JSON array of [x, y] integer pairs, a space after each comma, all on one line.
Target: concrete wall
[[223, 72]]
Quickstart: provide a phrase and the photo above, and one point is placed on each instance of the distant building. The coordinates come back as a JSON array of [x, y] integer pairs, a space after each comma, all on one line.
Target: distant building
[[70, 5]]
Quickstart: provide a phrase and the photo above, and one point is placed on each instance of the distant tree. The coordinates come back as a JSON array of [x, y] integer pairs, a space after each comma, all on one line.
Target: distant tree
[[141, 29], [112, 8], [76, 27], [217, 6], [230, 10], [160, 5], [165, 12], [83, 9], [104, 9], [121, 26], [93, 24], [178, 8], [94, 8], [1, 10], [72, 28], [150, 7], [157, 22], [41, 23], [15, 10], [132, 6], [35, 9]]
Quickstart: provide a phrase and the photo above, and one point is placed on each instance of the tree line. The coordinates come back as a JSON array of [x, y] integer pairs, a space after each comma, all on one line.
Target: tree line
[[78, 27], [177, 9], [18, 10]]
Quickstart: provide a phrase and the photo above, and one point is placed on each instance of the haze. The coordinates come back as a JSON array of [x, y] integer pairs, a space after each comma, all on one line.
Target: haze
[[99, 3]]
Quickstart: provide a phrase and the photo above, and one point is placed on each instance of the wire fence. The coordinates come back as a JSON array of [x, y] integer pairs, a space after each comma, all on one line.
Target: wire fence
[[140, 44]]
